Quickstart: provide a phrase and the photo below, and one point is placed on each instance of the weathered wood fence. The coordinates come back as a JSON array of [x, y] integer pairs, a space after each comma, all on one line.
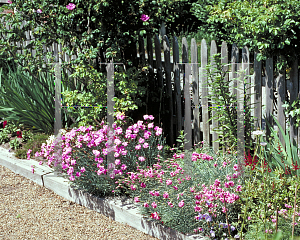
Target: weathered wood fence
[[184, 84]]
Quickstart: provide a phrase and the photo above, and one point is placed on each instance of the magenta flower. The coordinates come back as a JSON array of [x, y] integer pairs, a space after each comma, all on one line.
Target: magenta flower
[[145, 145], [39, 11], [141, 159], [120, 116], [169, 182], [71, 6], [136, 199], [181, 203], [138, 147], [154, 205], [72, 178], [117, 162], [159, 147], [78, 174], [28, 154], [146, 204], [9, 1], [82, 170], [239, 188], [165, 195]]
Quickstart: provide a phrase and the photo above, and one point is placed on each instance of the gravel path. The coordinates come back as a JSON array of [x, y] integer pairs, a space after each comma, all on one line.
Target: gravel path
[[30, 211]]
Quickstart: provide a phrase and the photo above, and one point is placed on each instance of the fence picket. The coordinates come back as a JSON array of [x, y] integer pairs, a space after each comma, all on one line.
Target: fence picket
[[224, 60], [195, 85], [187, 96], [177, 86], [168, 69], [204, 100], [294, 78], [269, 93]]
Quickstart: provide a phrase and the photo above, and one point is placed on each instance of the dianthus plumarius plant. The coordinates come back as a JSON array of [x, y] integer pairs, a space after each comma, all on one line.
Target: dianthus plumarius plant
[[83, 153], [212, 199]]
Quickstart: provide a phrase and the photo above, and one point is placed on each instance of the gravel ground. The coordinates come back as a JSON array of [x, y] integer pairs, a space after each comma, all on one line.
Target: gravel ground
[[30, 211]]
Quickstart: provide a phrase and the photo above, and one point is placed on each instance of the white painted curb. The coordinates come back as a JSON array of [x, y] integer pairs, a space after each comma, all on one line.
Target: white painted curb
[[119, 209]]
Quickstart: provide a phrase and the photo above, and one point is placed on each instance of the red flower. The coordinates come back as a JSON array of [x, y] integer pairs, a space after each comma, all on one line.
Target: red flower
[[249, 161], [4, 124], [295, 167], [19, 134]]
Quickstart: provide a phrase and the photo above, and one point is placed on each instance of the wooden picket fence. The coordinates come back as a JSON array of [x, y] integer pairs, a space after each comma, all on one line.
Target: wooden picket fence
[[172, 72]]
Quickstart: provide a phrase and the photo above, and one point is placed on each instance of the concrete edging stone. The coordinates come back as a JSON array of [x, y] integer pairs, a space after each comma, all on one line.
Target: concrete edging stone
[[120, 209]]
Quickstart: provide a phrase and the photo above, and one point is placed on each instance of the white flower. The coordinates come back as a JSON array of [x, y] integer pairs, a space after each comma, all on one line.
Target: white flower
[[263, 144], [257, 133]]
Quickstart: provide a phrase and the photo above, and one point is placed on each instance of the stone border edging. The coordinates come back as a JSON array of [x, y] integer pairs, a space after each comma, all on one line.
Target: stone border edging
[[120, 209]]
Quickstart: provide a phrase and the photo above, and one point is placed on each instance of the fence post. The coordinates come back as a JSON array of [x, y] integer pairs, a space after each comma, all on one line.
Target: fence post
[[204, 101], [195, 85], [269, 94], [215, 122], [57, 120]]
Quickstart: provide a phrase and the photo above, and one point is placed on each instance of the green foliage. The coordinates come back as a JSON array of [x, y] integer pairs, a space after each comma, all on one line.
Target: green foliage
[[129, 88], [34, 144], [263, 195], [26, 136], [285, 158], [225, 106], [3, 136], [15, 144], [26, 100], [270, 26], [293, 110]]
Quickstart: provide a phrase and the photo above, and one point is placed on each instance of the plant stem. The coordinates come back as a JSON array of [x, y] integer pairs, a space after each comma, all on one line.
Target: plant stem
[[226, 217], [294, 211]]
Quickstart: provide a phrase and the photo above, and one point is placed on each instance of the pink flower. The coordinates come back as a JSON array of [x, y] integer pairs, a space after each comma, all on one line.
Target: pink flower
[[146, 204], [150, 116], [120, 116], [238, 188], [235, 167], [125, 144], [249, 218], [145, 116], [155, 216], [39, 11], [228, 177], [150, 125], [9, 1], [224, 164], [154, 205], [123, 167], [138, 147], [165, 195], [71, 6], [231, 183], [136, 199], [287, 206], [143, 185], [78, 174], [156, 193], [72, 178], [215, 165], [226, 185], [159, 147], [169, 182], [132, 187], [141, 159], [175, 187], [82, 170], [73, 162], [141, 140], [170, 204], [145, 145], [28, 154], [158, 131], [181, 204]]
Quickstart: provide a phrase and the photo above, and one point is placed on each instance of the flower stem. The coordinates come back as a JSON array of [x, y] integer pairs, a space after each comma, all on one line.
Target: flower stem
[[294, 211]]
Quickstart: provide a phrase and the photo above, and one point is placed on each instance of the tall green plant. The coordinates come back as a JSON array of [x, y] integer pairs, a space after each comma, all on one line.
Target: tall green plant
[[286, 158], [225, 102], [26, 100]]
